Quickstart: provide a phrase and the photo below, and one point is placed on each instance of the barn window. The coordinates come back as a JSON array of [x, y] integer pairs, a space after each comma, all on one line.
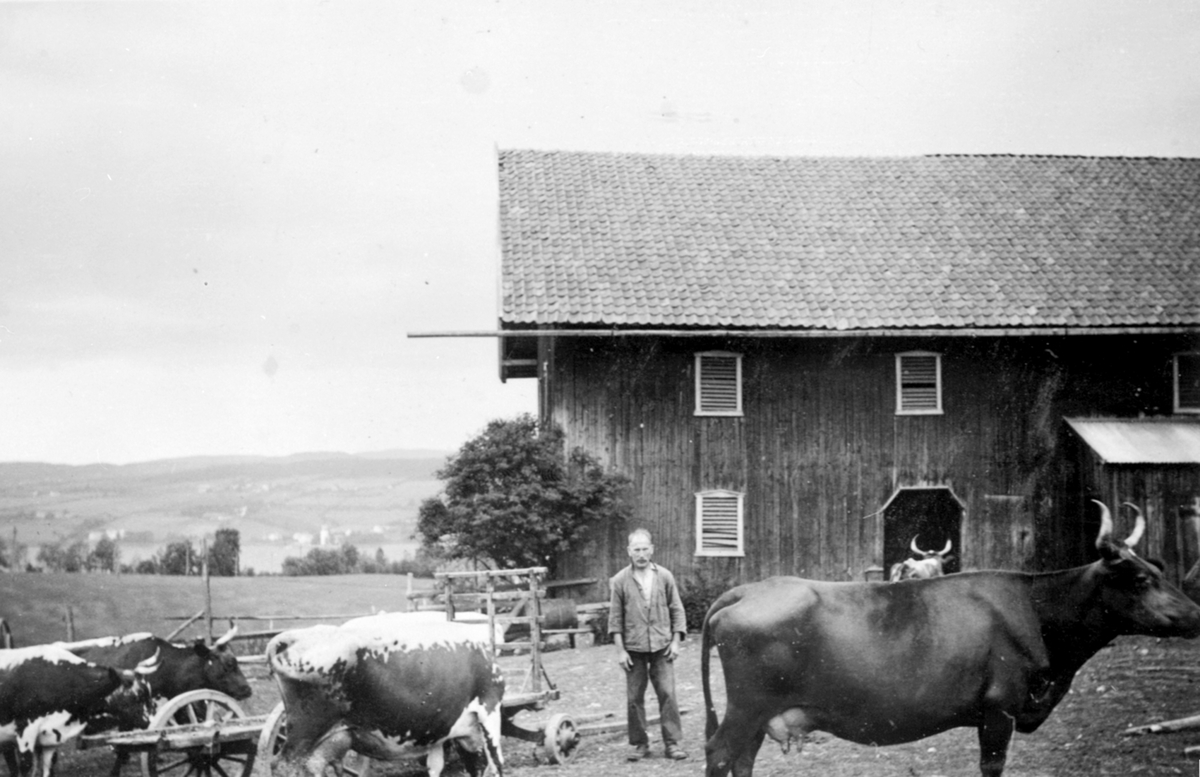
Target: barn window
[[719, 523], [1187, 383], [918, 383], [718, 383]]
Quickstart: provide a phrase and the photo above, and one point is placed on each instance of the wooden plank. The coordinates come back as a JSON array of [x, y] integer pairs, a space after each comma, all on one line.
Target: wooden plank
[[1178, 724], [607, 727]]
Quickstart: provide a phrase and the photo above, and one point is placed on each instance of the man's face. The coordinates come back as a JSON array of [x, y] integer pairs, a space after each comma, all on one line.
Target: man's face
[[640, 552]]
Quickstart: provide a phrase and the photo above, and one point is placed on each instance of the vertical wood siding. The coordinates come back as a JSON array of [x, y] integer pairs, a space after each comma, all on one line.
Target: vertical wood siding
[[820, 450]]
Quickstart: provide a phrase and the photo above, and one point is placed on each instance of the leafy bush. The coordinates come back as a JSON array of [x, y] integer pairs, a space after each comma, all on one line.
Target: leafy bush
[[698, 592], [515, 498]]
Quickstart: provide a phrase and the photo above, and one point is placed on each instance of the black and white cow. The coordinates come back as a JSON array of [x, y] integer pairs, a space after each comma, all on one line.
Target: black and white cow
[[392, 687], [48, 694], [181, 668]]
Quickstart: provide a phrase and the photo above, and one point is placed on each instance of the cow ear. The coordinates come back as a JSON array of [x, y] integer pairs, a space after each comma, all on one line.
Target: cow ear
[[201, 647]]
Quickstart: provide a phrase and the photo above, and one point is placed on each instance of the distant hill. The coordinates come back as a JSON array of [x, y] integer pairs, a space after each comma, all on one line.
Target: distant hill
[[369, 500]]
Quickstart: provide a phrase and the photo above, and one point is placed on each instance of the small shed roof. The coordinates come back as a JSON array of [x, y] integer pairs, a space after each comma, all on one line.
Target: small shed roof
[[1141, 441], [836, 244]]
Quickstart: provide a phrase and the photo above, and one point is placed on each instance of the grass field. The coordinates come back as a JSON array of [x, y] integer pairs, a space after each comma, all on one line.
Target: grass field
[[35, 606]]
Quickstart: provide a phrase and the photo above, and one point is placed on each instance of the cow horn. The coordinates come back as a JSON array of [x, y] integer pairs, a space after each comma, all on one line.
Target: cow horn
[[149, 665], [914, 547], [1139, 528], [1106, 524], [225, 639], [946, 549]]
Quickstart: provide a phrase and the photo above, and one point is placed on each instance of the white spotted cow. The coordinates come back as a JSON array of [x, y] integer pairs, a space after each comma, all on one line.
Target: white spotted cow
[[932, 563], [391, 687], [48, 695]]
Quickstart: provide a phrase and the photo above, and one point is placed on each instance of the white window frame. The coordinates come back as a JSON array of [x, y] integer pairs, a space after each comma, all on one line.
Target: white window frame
[[937, 361], [1175, 382], [699, 409], [740, 548]]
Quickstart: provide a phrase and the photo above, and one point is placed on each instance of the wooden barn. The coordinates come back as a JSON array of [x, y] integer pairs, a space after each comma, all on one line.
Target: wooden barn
[[805, 363]]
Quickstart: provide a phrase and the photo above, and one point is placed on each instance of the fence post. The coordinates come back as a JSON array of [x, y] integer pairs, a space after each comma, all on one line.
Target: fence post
[[70, 624], [208, 618], [408, 589]]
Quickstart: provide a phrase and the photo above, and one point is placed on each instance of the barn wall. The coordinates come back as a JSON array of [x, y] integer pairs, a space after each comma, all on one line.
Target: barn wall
[[820, 450], [1167, 496]]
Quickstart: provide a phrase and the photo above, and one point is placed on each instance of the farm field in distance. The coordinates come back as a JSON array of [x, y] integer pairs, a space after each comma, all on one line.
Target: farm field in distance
[[278, 505], [35, 604]]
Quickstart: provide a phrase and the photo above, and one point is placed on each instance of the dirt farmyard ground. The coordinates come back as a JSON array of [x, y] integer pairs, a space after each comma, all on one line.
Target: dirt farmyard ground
[[1136, 680]]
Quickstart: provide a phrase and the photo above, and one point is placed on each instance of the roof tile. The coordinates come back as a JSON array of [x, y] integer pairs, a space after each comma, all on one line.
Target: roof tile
[[965, 241]]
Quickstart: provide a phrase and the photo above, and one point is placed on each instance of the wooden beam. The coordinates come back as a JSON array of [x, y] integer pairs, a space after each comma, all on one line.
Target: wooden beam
[[1049, 331]]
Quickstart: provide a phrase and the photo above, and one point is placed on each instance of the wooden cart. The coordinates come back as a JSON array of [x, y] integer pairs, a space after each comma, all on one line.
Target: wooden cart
[[559, 737], [207, 734], [196, 734]]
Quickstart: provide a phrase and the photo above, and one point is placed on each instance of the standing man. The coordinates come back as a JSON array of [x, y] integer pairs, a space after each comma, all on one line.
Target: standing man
[[647, 623]]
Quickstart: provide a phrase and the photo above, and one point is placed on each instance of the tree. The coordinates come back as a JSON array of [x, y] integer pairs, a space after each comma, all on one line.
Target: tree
[[104, 556], [179, 558], [56, 557], [223, 555], [514, 498], [323, 561]]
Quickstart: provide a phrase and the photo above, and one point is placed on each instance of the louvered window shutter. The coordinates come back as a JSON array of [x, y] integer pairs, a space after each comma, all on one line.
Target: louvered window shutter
[[719, 529], [1187, 383], [918, 383], [718, 383]]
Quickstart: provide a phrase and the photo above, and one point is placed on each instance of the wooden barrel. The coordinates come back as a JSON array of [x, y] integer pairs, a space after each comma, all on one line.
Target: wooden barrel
[[559, 614], [556, 614]]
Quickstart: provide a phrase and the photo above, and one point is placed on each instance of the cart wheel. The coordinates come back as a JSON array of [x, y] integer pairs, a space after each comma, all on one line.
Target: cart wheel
[[6, 640], [561, 739], [274, 734], [235, 759]]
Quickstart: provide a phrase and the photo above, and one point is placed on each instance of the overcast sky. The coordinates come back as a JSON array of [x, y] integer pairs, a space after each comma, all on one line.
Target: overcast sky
[[219, 221]]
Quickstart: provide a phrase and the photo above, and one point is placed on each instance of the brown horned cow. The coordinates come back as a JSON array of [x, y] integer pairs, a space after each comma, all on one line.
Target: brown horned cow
[[882, 664]]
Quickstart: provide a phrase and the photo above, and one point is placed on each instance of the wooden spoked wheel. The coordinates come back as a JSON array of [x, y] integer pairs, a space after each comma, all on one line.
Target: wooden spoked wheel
[[188, 711], [6, 638], [274, 735], [561, 740]]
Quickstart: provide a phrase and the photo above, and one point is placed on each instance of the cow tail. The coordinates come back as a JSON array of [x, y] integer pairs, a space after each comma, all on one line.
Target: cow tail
[[710, 722], [493, 752]]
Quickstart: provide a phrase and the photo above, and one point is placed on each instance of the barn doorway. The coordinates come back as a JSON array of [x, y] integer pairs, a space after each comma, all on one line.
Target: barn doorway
[[933, 515]]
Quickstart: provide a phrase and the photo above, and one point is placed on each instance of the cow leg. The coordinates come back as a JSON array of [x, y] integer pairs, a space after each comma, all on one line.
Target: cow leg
[[734, 745], [330, 750], [994, 735], [743, 765], [10, 760], [472, 756], [48, 757], [435, 760]]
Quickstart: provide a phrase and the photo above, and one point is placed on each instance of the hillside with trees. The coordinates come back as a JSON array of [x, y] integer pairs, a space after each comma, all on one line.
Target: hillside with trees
[[100, 516]]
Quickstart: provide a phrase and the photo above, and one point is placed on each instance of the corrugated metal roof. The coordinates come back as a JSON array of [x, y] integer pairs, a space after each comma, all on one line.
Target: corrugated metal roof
[[1141, 441]]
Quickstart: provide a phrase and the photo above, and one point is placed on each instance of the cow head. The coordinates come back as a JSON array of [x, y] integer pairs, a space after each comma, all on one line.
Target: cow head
[[929, 563], [220, 667], [131, 704], [1135, 590]]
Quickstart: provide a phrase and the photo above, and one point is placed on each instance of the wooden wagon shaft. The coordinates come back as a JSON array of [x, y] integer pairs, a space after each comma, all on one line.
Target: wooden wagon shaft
[[192, 735], [1178, 724], [592, 729]]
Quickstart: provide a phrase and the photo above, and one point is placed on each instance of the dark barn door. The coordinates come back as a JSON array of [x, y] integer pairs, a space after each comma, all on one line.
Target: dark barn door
[[932, 515]]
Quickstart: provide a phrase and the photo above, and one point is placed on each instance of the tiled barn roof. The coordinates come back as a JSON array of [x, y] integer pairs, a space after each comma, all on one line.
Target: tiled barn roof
[[638, 240]]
